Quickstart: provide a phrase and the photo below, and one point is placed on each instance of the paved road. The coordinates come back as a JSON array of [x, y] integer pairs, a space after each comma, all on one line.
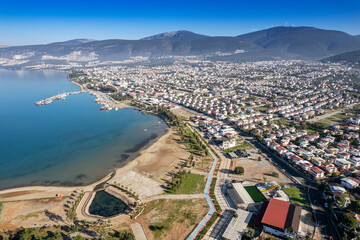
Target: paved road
[[331, 114], [138, 231], [322, 217]]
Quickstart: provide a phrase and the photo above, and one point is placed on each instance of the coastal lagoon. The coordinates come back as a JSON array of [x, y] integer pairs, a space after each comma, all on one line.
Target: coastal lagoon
[[68, 142]]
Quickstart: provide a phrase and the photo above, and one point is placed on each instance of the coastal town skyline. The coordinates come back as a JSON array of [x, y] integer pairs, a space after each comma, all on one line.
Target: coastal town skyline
[[180, 120]]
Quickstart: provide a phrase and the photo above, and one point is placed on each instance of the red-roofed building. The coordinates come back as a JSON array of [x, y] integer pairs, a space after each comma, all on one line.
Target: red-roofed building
[[281, 218], [316, 172]]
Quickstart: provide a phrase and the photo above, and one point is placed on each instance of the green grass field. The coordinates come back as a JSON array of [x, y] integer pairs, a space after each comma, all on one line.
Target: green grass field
[[261, 108], [254, 193], [310, 131], [191, 184], [297, 196]]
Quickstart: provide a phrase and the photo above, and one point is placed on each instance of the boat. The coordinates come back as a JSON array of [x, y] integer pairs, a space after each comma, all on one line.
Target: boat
[[104, 108], [145, 130]]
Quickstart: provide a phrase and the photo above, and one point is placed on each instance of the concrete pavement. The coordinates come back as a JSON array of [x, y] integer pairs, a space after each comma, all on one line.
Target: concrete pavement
[[138, 231], [176, 196]]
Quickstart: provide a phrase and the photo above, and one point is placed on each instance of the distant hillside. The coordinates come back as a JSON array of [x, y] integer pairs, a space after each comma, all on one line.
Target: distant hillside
[[353, 56], [122, 49], [358, 36], [73, 42], [182, 34], [303, 42]]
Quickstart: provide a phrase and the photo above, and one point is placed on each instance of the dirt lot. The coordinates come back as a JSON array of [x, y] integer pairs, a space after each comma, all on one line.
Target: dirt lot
[[258, 171], [33, 213], [172, 219], [182, 112]]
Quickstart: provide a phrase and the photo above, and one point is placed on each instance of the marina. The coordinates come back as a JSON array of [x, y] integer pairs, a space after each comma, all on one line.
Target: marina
[[106, 101], [70, 135], [60, 96]]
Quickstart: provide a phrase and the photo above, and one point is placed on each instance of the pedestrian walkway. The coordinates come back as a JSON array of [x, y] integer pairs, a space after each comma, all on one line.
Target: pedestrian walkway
[[138, 231], [176, 196]]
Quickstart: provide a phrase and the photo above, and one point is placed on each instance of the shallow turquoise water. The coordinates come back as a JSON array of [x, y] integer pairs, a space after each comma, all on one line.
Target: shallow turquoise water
[[68, 142]]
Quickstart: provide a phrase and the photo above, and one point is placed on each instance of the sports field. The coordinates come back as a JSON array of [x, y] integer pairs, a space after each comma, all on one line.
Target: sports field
[[254, 193]]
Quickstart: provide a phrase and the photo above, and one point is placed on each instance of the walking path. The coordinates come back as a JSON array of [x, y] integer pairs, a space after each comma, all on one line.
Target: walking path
[[138, 231], [176, 196], [222, 176], [208, 199]]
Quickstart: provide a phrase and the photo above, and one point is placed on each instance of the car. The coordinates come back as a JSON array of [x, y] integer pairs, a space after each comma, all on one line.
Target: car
[[326, 205]]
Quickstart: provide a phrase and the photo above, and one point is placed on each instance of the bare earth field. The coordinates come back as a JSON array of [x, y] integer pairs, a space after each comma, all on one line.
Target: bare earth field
[[32, 213], [172, 219], [259, 171], [183, 112]]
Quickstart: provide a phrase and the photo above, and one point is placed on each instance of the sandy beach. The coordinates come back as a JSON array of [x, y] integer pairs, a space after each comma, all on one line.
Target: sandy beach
[[146, 176]]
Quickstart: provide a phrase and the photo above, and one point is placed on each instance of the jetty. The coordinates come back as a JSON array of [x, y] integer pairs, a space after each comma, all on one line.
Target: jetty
[[60, 96]]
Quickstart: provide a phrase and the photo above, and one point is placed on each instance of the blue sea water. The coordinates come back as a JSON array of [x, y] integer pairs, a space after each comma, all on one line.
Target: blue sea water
[[68, 142]]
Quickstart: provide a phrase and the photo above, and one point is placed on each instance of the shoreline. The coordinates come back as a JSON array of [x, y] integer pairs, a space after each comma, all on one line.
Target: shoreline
[[23, 193], [131, 155], [128, 156], [104, 97]]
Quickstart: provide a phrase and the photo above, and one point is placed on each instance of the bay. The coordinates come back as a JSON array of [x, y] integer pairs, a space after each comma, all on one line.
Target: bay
[[68, 142]]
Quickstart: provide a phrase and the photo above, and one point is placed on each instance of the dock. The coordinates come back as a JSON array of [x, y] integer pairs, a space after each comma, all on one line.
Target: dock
[[60, 96]]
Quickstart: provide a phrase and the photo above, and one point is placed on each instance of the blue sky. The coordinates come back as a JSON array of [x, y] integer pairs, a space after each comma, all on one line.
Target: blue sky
[[39, 21]]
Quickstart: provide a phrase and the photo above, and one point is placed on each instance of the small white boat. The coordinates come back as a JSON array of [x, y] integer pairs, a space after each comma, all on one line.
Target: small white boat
[[145, 130]]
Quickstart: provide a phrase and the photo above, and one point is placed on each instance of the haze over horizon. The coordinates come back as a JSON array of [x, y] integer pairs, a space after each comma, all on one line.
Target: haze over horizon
[[41, 22]]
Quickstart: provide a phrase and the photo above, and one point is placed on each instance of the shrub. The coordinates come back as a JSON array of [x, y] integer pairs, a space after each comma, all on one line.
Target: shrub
[[239, 170]]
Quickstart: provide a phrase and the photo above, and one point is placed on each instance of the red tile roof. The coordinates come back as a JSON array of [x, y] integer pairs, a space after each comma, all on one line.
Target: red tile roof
[[276, 213]]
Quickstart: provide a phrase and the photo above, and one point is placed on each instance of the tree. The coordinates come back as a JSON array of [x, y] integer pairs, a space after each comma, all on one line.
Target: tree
[[249, 234], [349, 221], [355, 206], [125, 235], [275, 174], [239, 170], [57, 235], [340, 200], [259, 159], [79, 237], [252, 98]]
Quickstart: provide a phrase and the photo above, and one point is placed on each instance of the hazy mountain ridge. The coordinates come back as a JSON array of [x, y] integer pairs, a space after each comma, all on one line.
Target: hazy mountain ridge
[[353, 56], [73, 42], [183, 34], [303, 42], [277, 43]]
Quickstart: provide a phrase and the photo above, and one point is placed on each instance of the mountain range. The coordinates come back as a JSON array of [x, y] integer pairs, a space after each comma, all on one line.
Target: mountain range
[[305, 43]]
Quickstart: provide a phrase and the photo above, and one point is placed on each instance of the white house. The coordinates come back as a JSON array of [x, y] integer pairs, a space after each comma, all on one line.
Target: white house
[[350, 182]]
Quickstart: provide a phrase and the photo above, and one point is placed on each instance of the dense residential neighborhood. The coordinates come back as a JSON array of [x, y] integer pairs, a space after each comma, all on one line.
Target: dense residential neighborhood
[[302, 118]]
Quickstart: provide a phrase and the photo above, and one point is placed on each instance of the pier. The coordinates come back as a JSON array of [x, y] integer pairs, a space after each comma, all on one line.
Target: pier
[[60, 96]]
